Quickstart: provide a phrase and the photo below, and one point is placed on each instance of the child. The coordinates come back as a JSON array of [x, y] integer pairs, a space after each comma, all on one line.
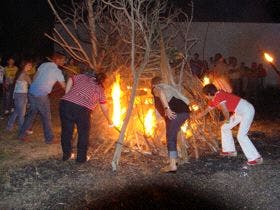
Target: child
[[243, 115]]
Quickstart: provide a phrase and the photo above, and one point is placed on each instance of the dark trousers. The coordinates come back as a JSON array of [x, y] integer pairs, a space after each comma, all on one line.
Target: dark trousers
[[71, 114], [172, 129]]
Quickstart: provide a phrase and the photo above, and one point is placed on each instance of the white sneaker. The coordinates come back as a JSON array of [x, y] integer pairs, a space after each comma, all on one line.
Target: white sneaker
[[6, 112], [12, 110]]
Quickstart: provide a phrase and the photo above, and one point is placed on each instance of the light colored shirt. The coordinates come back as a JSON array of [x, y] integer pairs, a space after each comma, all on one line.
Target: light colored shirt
[[170, 92], [45, 78], [21, 86]]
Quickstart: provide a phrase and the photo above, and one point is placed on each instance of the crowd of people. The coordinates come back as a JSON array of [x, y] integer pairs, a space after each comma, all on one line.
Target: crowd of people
[[244, 81], [85, 90]]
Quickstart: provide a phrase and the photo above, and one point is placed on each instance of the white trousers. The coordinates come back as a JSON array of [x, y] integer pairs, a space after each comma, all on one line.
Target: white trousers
[[244, 114]]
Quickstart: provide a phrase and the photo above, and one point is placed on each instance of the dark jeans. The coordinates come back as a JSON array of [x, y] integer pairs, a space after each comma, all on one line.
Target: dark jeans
[[71, 114], [39, 105], [8, 98], [172, 129], [20, 100]]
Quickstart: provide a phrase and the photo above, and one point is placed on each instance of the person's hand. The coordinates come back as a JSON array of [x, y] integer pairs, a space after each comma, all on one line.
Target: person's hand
[[170, 114]]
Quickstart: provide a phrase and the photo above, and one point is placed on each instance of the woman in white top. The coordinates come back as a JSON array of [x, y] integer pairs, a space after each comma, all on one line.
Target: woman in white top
[[22, 81]]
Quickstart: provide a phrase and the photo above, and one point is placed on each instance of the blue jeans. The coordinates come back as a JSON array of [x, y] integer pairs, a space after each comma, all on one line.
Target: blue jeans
[[20, 100], [172, 129], [41, 105]]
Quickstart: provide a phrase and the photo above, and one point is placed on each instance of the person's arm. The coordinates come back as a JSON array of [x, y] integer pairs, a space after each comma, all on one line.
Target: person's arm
[[105, 111], [69, 85], [225, 112], [203, 113], [168, 112]]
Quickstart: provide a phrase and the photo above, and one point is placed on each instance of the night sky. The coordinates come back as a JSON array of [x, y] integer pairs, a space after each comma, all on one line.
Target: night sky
[[23, 22]]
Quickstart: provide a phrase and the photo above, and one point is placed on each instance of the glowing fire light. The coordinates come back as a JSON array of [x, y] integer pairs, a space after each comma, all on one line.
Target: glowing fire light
[[186, 131], [116, 96], [195, 107], [206, 81], [268, 57], [150, 122]]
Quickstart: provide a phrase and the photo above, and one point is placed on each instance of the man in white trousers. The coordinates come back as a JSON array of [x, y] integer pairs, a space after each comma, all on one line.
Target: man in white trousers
[[243, 114]]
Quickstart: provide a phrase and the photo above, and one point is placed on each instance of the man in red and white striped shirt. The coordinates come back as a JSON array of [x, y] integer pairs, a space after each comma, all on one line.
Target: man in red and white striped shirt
[[83, 93]]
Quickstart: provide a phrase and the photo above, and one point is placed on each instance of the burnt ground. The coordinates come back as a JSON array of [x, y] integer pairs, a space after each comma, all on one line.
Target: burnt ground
[[33, 176]]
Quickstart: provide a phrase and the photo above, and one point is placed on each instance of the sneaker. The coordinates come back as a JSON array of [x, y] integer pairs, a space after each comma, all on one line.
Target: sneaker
[[12, 110], [6, 112], [257, 161], [29, 132], [228, 154]]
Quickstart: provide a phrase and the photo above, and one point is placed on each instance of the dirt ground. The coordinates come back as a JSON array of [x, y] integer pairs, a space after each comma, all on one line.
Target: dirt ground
[[33, 176]]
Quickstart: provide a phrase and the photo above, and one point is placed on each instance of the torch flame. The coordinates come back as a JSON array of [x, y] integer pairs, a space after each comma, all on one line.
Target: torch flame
[[116, 96], [150, 122], [268, 57], [206, 81]]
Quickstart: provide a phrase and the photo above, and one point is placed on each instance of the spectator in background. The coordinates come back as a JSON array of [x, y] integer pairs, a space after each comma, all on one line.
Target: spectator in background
[[261, 76], [10, 73], [47, 75], [22, 80], [196, 65], [2, 72], [82, 94], [220, 74], [251, 92], [234, 75]]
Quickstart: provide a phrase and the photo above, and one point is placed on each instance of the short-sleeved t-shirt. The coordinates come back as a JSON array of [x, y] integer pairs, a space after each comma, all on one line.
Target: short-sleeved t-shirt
[[231, 101], [45, 78], [10, 73], [85, 92]]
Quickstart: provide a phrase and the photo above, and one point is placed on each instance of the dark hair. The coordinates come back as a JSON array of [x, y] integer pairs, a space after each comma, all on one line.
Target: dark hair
[[21, 68], [57, 55], [100, 78], [156, 80], [209, 89]]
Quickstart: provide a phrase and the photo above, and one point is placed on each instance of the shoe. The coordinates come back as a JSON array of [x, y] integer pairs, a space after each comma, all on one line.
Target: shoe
[[29, 132], [12, 110], [6, 112], [24, 139], [257, 161], [228, 154], [168, 169], [53, 141], [66, 156]]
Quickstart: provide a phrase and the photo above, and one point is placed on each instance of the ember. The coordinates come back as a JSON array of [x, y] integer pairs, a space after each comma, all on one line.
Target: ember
[[206, 81]]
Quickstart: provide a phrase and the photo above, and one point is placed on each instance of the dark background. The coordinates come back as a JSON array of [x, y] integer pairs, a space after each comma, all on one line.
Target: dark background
[[24, 22]]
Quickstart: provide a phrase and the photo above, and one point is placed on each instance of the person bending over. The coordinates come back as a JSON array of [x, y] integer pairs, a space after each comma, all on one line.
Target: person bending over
[[243, 114], [83, 93], [173, 107]]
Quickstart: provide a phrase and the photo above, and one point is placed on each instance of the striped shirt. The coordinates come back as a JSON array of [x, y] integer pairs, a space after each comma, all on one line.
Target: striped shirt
[[85, 92]]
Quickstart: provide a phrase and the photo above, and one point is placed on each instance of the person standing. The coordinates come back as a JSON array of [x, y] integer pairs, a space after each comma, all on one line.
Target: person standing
[[10, 73], [22, 80], [82, 94], [47, 75], [173, 107]]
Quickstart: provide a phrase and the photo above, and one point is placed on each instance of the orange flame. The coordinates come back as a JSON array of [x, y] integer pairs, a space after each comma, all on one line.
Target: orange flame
[[188, 133], [116, 96], [268, 57], [150, 122], [206, 81], [194, 107]]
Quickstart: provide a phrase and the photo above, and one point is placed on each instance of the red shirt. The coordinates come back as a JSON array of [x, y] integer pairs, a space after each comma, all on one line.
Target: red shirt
[[85, 92], [229, 99]]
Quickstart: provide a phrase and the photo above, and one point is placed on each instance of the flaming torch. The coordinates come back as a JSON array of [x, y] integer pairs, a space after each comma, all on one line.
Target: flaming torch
[[270, 60]]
